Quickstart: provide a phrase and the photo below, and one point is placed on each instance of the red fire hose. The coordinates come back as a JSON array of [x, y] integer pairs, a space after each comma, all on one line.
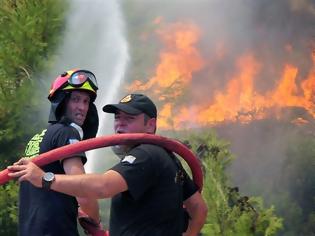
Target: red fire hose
[[118, 139]]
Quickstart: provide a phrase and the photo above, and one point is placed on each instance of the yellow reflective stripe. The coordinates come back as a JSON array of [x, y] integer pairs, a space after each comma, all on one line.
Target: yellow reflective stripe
[[85, 86]]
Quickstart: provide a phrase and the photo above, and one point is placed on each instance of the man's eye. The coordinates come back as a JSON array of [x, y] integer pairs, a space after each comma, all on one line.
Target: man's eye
[[130, 118]]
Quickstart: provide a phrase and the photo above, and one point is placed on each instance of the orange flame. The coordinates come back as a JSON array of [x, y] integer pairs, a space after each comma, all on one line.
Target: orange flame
[[177, 62], [238, 101]]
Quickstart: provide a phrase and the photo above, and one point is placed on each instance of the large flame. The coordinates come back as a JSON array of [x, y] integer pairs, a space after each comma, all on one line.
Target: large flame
[[178, 61], [238, 100]]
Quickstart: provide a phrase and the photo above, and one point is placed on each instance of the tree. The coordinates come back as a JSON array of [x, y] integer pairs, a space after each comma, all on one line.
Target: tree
[[30, 30], [230, 213]]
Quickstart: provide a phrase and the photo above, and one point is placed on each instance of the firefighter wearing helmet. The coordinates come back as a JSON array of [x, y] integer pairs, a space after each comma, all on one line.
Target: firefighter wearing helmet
[[61, 88], [73, 117]]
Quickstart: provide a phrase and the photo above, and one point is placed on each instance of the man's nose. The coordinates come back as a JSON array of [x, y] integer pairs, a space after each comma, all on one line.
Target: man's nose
[[82, 105], [120, 122]]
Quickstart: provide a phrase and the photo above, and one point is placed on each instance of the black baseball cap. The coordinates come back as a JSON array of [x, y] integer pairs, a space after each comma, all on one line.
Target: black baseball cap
[[133, 104]]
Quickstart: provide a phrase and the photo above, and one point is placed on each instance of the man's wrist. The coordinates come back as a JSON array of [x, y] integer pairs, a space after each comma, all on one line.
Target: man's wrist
[[47, 179]]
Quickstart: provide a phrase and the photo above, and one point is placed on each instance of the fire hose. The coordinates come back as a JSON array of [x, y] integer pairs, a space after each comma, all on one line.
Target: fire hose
[[118, 139]]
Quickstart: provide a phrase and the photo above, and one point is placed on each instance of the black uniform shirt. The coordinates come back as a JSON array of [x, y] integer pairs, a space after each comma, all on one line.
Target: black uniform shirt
[[153, 204], [43, 212]]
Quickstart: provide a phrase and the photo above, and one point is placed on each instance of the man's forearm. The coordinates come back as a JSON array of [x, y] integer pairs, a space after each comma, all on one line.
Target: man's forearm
[[90, 207], [194, 227], [197, 210], [74, 166], [82, 186], [95, 186]]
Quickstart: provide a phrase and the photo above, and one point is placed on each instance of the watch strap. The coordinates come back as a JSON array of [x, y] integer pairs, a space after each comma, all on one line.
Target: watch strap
[[46, 183]]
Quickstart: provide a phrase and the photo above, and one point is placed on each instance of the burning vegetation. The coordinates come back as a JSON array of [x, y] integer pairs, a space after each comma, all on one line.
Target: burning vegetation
[[194, 90], [246, 68]]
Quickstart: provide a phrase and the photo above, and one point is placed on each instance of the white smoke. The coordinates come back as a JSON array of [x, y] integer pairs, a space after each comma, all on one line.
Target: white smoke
[[95, 40]]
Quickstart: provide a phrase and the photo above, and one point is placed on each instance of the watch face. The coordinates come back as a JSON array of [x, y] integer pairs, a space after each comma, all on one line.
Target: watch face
[[49, 176]]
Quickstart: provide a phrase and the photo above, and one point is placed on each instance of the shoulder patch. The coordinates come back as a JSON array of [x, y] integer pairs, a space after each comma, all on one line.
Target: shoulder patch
[[129, 159]]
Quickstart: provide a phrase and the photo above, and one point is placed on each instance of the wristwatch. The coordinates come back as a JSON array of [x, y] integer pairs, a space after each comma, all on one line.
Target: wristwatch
[[47, 180]]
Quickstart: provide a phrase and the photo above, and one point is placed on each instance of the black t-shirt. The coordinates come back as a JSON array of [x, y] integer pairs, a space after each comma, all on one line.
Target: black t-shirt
[[46, 212], [157, 186]]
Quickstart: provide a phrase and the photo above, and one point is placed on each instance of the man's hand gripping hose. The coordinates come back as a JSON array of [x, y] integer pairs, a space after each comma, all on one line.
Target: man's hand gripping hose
[[90, 226]]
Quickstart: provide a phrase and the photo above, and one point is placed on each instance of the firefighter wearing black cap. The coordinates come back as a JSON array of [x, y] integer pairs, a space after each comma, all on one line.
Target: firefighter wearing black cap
[[148, 186], [73, 117]]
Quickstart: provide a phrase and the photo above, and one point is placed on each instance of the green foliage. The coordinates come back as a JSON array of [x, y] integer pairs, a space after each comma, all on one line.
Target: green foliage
[[30, 31], [8, 208], [230, 214], [294, 193]]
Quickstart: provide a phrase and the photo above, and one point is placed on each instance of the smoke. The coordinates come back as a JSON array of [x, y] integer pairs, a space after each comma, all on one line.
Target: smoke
[[94, 39], [233, 36]]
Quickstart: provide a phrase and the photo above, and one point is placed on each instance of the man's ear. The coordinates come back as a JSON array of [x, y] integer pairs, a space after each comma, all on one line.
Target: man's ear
[[151, 126]]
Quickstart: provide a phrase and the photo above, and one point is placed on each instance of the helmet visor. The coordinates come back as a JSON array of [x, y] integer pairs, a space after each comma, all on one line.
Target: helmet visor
[[78, 78]]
